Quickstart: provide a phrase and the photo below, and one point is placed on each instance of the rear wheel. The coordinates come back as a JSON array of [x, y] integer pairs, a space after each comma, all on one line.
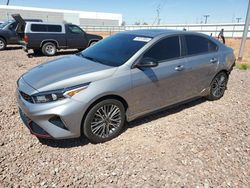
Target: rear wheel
[[49, 49], [2, 44], [218, 86], [104, 121]]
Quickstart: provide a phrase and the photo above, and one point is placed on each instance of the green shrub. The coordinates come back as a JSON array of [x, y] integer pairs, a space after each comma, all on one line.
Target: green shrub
[[243, 66]]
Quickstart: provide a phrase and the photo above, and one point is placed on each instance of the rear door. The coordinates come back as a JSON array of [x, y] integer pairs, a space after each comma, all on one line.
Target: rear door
[[76, 37], [202, 61]]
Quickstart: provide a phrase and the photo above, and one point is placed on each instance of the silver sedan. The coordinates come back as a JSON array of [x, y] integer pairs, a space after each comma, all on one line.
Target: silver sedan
[[119, 79]]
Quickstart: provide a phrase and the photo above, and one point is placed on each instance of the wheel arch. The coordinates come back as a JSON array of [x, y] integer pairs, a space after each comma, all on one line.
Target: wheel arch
[[2, 37], [117, 97], [92, 40], [49, 40], [223, 70]]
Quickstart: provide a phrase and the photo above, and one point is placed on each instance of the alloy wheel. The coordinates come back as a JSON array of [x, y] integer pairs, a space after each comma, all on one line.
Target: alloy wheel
[[2, 45], [106, 120], [219, 85], [50, 49]]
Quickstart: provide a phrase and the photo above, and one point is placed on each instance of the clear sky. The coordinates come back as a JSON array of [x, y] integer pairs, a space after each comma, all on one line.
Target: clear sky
[[171, 11]]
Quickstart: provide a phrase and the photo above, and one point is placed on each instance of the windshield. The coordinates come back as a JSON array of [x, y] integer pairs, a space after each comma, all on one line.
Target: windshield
[[4, 24], [115, 50]]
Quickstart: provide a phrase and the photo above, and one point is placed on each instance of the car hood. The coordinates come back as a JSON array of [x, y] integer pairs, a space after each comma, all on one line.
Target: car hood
[[66, 72]]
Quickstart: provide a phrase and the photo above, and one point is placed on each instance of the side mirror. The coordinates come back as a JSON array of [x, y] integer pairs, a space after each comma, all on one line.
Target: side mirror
[[147, 63]]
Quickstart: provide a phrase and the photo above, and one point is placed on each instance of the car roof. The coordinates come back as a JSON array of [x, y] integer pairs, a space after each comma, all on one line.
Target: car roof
[[155, 32], [44, 23]]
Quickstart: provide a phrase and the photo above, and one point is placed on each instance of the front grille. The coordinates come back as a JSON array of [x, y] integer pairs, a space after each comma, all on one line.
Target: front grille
[[32, 126], [26, 97], [25, 118]]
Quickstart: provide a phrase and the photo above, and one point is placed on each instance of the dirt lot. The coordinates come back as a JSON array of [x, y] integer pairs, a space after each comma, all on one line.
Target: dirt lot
[[235, 44], [199, 144]]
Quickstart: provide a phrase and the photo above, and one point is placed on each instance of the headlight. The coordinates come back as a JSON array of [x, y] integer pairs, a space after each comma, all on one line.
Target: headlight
[[59, 94]]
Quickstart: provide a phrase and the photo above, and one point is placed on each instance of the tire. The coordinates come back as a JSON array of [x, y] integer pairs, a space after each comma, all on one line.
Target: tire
[[37, 51], [2, 44], [218, 86], [49, 49], [93, 43], [98, 127]]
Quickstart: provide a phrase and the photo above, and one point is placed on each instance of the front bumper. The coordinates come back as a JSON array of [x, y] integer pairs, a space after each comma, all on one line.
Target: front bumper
[[58, 120]]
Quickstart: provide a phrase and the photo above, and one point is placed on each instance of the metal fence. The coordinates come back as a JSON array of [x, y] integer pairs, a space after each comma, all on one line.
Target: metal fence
[[234, 30]]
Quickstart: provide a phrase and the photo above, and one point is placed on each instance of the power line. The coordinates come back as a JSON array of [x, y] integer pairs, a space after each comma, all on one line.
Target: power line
[[159, 7], [238, 20], [206, 17]]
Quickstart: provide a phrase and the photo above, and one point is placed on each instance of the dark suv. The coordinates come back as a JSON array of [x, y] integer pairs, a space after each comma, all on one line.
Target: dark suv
[[9, 34], [50, 37]]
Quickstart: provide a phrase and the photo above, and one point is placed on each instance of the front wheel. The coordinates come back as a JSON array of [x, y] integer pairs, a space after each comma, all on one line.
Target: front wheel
[[49, 49], [218, 86], [104, 121], [2, 44], [93, 43]]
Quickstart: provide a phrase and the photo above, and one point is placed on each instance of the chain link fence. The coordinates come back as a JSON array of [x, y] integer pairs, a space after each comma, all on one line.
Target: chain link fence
[[232, 30]]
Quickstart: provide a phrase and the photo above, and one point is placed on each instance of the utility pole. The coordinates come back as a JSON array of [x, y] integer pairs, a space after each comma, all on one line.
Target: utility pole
[[238, 20], [158, 15], [206, 17], [244, 36]]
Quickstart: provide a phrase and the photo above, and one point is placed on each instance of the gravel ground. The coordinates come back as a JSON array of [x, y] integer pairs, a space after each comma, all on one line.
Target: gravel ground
[[199, 144]]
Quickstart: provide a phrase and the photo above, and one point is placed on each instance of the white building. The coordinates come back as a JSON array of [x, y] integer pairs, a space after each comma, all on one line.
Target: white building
[[57, 15]]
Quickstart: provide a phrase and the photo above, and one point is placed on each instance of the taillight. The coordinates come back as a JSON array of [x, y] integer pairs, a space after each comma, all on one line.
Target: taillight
[[26, 39]]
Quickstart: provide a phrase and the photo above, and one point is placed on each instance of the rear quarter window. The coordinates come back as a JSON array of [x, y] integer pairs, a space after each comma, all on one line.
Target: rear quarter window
[[54, 28], [198, 45], [46, 28], [38, 28]]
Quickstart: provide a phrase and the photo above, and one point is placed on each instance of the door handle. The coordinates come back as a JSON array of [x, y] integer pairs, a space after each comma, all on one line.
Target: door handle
[[213, 60], [179, 68]]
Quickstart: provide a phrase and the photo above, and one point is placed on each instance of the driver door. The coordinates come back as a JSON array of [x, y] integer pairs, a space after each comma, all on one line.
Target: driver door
[[76, 37]]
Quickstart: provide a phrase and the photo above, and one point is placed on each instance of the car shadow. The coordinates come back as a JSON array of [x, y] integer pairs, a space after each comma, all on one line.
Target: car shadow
[[13, 48], [69, 143], [165, 112], [31, 55]]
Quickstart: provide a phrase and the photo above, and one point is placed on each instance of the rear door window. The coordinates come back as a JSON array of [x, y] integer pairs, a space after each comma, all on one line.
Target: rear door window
[[198, 45], [168, 48]]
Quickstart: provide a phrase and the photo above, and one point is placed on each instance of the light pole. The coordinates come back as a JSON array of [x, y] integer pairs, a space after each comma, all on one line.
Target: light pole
[[8, 1], [206, 17], [244, 36], [238, 20]]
